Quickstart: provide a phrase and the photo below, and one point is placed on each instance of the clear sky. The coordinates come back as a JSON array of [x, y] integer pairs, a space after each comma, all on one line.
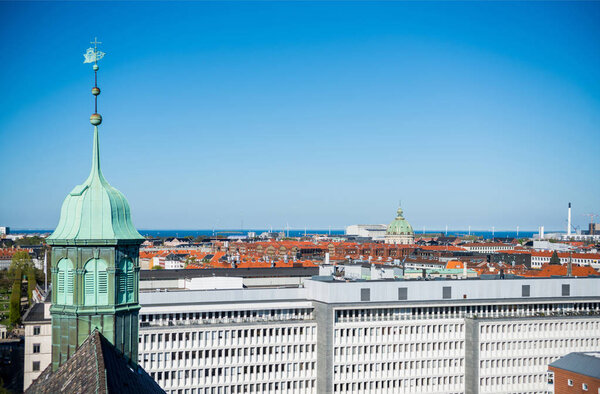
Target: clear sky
[[307, 113]]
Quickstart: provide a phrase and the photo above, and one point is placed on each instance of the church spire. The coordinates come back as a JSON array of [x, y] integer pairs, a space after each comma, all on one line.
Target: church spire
[[95, 210], [93, 55], [95, 260]]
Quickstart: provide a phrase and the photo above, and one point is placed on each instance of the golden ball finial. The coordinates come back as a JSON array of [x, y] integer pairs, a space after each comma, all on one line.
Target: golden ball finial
[[95, 119]]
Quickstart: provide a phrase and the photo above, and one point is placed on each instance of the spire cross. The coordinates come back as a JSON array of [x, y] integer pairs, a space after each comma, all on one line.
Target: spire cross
[[95, 42]]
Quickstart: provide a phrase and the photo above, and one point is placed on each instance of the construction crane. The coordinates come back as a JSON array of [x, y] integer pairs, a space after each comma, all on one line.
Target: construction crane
[[592, 216]]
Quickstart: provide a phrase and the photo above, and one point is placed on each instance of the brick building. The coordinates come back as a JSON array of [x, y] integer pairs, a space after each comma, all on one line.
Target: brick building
[[575, 373]]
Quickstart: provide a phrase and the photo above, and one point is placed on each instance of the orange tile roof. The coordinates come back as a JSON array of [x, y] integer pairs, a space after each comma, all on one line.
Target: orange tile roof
[[548, 270]]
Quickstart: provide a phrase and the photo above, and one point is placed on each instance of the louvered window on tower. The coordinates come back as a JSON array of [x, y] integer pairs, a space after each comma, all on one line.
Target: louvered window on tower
[[65, 282], [125, 282], [95, 283], [130, 285], [122, 284]]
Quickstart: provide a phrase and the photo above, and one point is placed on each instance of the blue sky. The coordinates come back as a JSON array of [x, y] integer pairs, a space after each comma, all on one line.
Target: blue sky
[[307, 113]]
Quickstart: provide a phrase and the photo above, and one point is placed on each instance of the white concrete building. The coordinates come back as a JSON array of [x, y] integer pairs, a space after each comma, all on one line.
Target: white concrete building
[[487, 247], [538, 258], [38, 342], [382, 336], [443, 336], [374, 231], [253, 342]]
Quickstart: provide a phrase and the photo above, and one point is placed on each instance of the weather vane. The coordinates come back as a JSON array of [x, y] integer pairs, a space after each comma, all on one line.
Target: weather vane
[[92, 55]]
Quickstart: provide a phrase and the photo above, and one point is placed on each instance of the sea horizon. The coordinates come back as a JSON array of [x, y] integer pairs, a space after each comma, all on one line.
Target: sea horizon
[[486, 234]]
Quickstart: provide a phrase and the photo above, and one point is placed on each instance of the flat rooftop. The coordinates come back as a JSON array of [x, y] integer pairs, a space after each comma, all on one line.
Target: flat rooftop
[[518, 290], [234, 272]]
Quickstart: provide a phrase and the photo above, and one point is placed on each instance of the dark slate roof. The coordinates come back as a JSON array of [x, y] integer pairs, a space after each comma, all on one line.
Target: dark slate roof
[[587, 364], [96, 367], [35, 314], [235, 272]]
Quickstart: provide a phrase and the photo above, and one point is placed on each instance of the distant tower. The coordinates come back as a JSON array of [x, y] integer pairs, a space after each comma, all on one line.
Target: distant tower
[[95, 269], [569, 221]]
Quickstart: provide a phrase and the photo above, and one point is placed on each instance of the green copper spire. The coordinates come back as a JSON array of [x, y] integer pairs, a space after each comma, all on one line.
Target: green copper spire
[[95, 260], [95, 212]]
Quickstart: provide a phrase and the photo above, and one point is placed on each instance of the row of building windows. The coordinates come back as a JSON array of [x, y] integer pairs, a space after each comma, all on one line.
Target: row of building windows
[[340, 371], [488, 310], [496, 364], [221, 317], [294, 386], [184, 340], [384, 334], [388, 385], [218, 356], [505, 380], [228, 375], [535, 328], [539, 345], [393, 349]]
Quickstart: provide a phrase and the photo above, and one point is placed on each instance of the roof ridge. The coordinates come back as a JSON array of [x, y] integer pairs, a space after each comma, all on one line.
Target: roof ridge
[[101, 386]]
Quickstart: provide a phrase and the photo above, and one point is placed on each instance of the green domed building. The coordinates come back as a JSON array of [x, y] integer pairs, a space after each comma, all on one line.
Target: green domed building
[[399, 231]]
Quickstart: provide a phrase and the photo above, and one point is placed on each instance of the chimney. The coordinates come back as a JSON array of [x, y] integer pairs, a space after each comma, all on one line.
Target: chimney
[[569, 221]]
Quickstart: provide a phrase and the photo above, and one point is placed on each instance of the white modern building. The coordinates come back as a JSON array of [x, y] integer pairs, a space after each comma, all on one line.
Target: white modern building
[[487, 247], [375, 336], [374, 231], [538, 258], [38, 341], [386, 336]]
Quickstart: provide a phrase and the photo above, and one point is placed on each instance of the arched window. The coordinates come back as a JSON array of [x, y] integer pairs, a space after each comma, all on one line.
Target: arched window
[[95, 280], [65, 282], [125, 281]]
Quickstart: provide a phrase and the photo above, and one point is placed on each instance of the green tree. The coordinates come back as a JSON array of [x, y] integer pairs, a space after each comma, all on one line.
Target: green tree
[[554, 260], [157, 267], [28, 241], [20, 261], [31, 283], [14, 314]]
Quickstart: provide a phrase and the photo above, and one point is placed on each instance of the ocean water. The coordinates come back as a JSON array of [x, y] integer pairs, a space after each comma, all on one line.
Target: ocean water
[[299, 233]]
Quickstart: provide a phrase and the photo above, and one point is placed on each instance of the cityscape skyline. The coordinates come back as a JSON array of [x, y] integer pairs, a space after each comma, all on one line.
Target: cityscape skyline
[[300, 114]]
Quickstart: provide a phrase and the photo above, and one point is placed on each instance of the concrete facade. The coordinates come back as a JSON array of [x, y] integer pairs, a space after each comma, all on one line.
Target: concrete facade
[[389, 336]]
